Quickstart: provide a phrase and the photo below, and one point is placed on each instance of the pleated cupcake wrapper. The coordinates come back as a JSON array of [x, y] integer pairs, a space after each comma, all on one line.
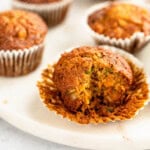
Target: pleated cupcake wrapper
[[20, 62], [53, 13], [132, 44], [126, 55]]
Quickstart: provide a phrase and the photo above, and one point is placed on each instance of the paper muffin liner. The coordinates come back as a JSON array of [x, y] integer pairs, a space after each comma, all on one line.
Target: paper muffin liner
[[132, 44], [139, 98], [20, 62], [52, 13]]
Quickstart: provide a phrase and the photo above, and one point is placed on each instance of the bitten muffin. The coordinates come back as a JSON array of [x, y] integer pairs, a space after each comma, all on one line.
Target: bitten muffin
[[124, 25], [52, 11], [93, 85], [88, 73], [21, 42]]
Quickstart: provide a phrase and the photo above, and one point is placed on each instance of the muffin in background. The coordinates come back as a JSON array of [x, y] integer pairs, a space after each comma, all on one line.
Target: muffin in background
[[52, 11], [22, 37], [95, 85], [122, 24]]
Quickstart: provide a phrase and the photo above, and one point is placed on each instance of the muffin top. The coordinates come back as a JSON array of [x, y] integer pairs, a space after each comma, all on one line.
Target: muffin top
[[40, 1], [89, 73], [20, 29], [120, 20]]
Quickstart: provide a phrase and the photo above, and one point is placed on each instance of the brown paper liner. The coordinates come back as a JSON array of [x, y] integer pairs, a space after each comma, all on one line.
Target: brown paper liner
[[138, 96], [53, 13], [20, 62]]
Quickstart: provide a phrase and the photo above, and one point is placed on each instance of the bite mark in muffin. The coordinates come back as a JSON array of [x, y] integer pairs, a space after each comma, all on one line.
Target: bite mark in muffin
[[92, 73], [88, 96]]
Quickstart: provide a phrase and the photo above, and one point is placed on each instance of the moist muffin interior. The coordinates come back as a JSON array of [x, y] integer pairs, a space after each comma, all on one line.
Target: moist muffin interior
[[120, 20], [96, 110]]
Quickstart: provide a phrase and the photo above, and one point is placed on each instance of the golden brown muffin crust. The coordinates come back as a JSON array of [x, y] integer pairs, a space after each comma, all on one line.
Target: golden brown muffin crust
[[120, 20], [40, 1], [20, 29]]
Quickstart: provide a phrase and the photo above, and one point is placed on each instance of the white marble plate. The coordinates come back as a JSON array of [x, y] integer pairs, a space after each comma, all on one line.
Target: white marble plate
[[21, 107]]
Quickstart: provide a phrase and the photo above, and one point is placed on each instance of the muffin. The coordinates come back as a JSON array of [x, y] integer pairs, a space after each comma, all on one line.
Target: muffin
[[52, 11], [21, 42], [94, 85], [120, 24]]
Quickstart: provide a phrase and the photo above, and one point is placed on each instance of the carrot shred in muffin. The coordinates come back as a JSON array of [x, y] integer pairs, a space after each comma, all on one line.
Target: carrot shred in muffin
[[120, 20], [93, 85]]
